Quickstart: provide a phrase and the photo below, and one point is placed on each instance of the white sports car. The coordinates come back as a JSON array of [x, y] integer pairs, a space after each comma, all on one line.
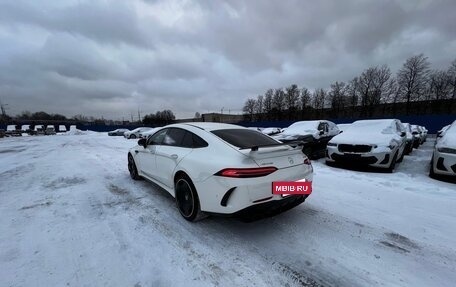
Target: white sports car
[[220, 169]]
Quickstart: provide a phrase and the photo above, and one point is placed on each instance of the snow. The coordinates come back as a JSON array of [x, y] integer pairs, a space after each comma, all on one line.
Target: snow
[[71, 216], [343, 127]]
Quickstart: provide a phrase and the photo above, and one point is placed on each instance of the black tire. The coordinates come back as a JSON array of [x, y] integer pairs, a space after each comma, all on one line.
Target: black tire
[[402, 157], [392, 165], [132, 137], [431, 169], [187, 199], [132, 168]]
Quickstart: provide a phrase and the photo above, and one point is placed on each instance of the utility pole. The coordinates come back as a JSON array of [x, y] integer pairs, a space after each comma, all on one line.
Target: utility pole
[[139, 116]]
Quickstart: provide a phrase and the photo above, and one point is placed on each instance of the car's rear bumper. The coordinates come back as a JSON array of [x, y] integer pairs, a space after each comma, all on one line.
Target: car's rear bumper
[[230, 195], [266, 209]]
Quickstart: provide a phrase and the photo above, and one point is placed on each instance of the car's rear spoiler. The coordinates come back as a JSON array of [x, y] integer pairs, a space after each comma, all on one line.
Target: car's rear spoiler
[[256, 147]]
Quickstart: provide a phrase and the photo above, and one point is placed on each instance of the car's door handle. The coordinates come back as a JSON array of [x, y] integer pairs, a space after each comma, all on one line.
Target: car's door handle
[[174, 156], [136, 151]]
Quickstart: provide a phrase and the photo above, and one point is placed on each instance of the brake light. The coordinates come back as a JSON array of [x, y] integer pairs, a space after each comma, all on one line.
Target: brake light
[[307, 161], [246, 172]]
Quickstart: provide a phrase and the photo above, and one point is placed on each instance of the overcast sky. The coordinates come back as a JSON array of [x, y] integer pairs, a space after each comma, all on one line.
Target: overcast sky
[[107, 58]]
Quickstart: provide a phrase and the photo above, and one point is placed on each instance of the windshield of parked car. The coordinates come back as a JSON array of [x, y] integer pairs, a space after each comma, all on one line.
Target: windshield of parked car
[[302, 127], [244, 138]]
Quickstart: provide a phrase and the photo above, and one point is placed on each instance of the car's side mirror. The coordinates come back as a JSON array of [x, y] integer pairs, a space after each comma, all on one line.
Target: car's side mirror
[[142, 142]]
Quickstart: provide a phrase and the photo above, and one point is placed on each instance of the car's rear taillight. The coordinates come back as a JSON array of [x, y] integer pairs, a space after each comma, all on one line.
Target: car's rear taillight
[[307, 161], [246, 172]]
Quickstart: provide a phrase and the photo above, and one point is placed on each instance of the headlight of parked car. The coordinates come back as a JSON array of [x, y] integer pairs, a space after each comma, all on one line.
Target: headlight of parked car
[[332, 144], [446, 150]]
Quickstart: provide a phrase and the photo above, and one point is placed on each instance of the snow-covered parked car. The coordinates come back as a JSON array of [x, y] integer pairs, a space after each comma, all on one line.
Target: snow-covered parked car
[[62, 129], [50, 130], [416, 132], [118, 132], [410, 139], [11, 130], [134, 134], [425, 132], [314, 135], [376, 143], [271, 131], [443, 160], [38, 130], [146, 134], [25, 128], [219, 168]]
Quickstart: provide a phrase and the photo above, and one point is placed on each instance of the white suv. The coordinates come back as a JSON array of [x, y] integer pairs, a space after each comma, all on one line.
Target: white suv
[[376, 143]]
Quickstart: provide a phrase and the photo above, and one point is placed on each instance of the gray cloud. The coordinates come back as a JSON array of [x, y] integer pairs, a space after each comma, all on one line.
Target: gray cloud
[[111, 57]]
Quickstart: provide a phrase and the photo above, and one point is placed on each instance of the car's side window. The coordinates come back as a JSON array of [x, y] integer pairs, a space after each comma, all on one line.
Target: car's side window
[[157, 138], [187, 141], [174, 137], [323, 127]]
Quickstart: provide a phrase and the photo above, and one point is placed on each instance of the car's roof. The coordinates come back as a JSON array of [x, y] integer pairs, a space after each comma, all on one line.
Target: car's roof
[[208, 126]]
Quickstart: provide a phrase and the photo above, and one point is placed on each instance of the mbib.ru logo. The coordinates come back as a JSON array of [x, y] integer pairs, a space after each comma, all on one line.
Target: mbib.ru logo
[[292, 187]]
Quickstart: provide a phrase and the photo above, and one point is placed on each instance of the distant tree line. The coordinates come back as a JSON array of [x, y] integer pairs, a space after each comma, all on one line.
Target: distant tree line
[[159, 118], [375, 88], [26, 115]]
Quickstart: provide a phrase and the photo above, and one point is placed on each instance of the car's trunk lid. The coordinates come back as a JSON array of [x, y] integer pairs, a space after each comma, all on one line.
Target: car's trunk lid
[[279, 157]]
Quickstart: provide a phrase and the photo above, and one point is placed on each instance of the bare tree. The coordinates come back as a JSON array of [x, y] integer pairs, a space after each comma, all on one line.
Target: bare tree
[[291, 99], [305, 100], [337, 97], [197, 115], [249, 108], [319, 97], [412, 79], [352, 94], [439, 85], [267, 102], [372, 85], [452, 79], [259, 107], [278, 102]]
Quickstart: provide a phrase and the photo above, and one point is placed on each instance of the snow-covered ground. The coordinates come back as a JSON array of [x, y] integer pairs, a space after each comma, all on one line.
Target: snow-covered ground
[[71, 216]]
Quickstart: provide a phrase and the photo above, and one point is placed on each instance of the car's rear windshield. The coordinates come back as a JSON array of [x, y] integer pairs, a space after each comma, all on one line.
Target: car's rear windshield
[[244, 138]]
